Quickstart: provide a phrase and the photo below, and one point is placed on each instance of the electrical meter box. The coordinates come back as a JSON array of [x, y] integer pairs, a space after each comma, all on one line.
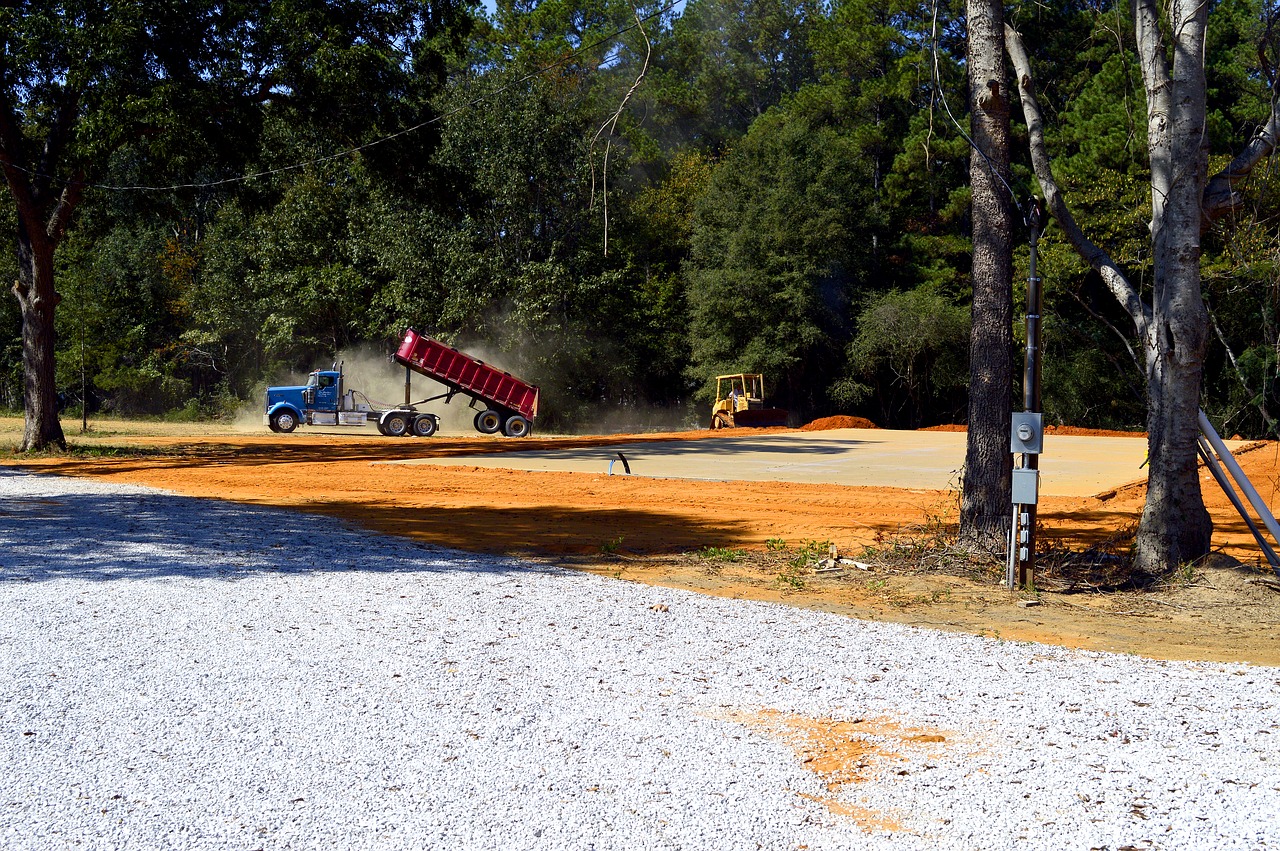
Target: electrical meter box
[[1026, 487], [1027, 433]]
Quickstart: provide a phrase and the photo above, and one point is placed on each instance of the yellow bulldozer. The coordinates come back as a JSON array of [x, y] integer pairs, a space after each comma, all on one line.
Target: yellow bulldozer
[[740, 403]]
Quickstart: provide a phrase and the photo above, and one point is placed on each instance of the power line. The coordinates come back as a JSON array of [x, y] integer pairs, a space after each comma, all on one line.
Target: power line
[[937, 84], [638, 23]]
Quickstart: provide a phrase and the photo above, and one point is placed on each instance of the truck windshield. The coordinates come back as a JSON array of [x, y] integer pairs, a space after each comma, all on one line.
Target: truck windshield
[[314, 380]]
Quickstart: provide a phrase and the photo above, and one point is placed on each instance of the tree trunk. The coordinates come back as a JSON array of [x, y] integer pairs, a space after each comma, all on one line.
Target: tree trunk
[[1175, 527], [37, 300], [985, 509]]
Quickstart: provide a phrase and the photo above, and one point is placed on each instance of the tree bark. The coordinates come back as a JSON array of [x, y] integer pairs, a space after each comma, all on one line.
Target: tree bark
[[1175, 527], [44, 213], [37, 300], [984, 508]]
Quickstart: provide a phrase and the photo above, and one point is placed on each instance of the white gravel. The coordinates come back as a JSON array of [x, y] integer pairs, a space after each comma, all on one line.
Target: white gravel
[[178, 673]]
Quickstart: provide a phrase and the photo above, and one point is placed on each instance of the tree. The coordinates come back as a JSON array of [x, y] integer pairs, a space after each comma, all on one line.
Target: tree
[[1173, 329], [178, 90], [984, 508], [779, 246], [910, 350]]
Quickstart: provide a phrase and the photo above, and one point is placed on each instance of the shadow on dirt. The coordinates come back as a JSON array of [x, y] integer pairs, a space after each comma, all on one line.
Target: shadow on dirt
[[328, 448]]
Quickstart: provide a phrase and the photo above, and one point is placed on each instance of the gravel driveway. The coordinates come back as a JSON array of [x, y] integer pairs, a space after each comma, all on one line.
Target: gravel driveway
[[177, 673]]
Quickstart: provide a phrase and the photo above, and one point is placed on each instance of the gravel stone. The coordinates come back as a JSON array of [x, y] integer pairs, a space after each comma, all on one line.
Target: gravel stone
[[193, 674]]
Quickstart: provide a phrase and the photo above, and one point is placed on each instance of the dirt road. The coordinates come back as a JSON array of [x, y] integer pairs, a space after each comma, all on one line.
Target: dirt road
[[731, 538]]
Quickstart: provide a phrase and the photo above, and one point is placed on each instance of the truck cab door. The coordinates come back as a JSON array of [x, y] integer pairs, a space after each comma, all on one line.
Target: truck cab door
[[326, 392]]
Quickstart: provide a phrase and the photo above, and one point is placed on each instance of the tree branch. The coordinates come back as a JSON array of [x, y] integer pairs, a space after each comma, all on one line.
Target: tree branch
[[1220, 195], [68, 201], [1096, 257], [17, 177], [1256, 399], [56, 142]]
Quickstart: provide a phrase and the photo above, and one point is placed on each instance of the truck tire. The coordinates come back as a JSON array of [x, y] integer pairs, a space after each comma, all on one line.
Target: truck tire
[[424, 425], [488, 422], [517, 426], [284, 421], [395, 424]]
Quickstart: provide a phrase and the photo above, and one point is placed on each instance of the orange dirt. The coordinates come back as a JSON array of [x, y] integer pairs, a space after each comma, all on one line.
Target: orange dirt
[[827, 423], [648, 529], [1056, 429]]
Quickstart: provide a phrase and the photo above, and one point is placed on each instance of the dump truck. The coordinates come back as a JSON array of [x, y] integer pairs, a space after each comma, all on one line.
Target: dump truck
[[504, 403], [740, 403]]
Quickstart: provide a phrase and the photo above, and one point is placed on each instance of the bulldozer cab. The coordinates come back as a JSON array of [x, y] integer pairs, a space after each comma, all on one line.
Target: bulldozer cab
[[741, 392]]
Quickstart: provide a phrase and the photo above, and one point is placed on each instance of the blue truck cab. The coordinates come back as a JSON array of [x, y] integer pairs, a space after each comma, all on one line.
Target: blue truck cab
[[325, 401], [318, 402]]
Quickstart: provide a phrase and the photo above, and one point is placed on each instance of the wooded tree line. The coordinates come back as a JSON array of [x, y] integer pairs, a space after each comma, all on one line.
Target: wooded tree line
[[619, 201]]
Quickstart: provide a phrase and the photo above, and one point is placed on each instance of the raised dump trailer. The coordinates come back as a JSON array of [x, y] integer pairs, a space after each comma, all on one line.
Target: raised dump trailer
[[511, 405], [506, 403]]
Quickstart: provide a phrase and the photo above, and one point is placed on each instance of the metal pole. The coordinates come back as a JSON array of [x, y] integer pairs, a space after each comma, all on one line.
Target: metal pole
[[1022, 548], [1233, 467], [1220, 476]]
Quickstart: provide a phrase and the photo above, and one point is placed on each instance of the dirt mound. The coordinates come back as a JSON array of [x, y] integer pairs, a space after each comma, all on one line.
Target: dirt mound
[[950, 427], [828, 423]]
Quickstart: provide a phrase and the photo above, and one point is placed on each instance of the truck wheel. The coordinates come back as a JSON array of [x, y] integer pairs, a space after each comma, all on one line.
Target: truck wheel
[[488, 422], [516, 427], [395, 425], [720, 421], [424, 426], [283, 421]]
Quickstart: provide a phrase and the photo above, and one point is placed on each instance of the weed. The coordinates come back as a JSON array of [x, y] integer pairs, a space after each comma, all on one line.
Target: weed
[[611, 547], [721, 554], [791, 577], [774, 545]]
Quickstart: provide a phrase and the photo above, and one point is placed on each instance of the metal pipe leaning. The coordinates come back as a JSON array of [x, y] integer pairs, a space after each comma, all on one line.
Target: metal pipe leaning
[[1251, 493]]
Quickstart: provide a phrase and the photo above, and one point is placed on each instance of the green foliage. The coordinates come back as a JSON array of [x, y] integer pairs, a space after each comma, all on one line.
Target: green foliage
[[721, 554], [786, 193], [909, 359]]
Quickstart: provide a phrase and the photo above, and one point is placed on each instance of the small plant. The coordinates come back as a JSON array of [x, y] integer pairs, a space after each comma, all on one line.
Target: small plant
[[791, 576], [774, 545], [811, 552], [611, 547], [720, 554]]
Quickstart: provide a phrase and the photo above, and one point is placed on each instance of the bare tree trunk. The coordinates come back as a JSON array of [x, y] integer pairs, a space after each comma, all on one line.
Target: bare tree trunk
[[984, 508], [37, 301], [1175, 527]]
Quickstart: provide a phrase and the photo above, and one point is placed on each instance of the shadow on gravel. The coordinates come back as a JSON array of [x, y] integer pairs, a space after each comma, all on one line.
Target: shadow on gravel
[[54, 533]]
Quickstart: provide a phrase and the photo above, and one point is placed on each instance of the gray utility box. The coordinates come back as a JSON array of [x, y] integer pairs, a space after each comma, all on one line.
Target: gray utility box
[[1027, 433], [1026, 487]]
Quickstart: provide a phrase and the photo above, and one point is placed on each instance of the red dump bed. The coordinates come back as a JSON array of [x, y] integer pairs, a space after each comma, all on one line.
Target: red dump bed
[[462, 372]]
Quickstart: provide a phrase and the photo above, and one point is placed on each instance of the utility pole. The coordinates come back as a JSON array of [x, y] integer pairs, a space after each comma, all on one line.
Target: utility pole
[[1026, 437]]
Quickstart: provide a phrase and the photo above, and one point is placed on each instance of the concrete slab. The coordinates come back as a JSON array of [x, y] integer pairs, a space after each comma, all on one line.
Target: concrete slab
[[1070, 465]]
